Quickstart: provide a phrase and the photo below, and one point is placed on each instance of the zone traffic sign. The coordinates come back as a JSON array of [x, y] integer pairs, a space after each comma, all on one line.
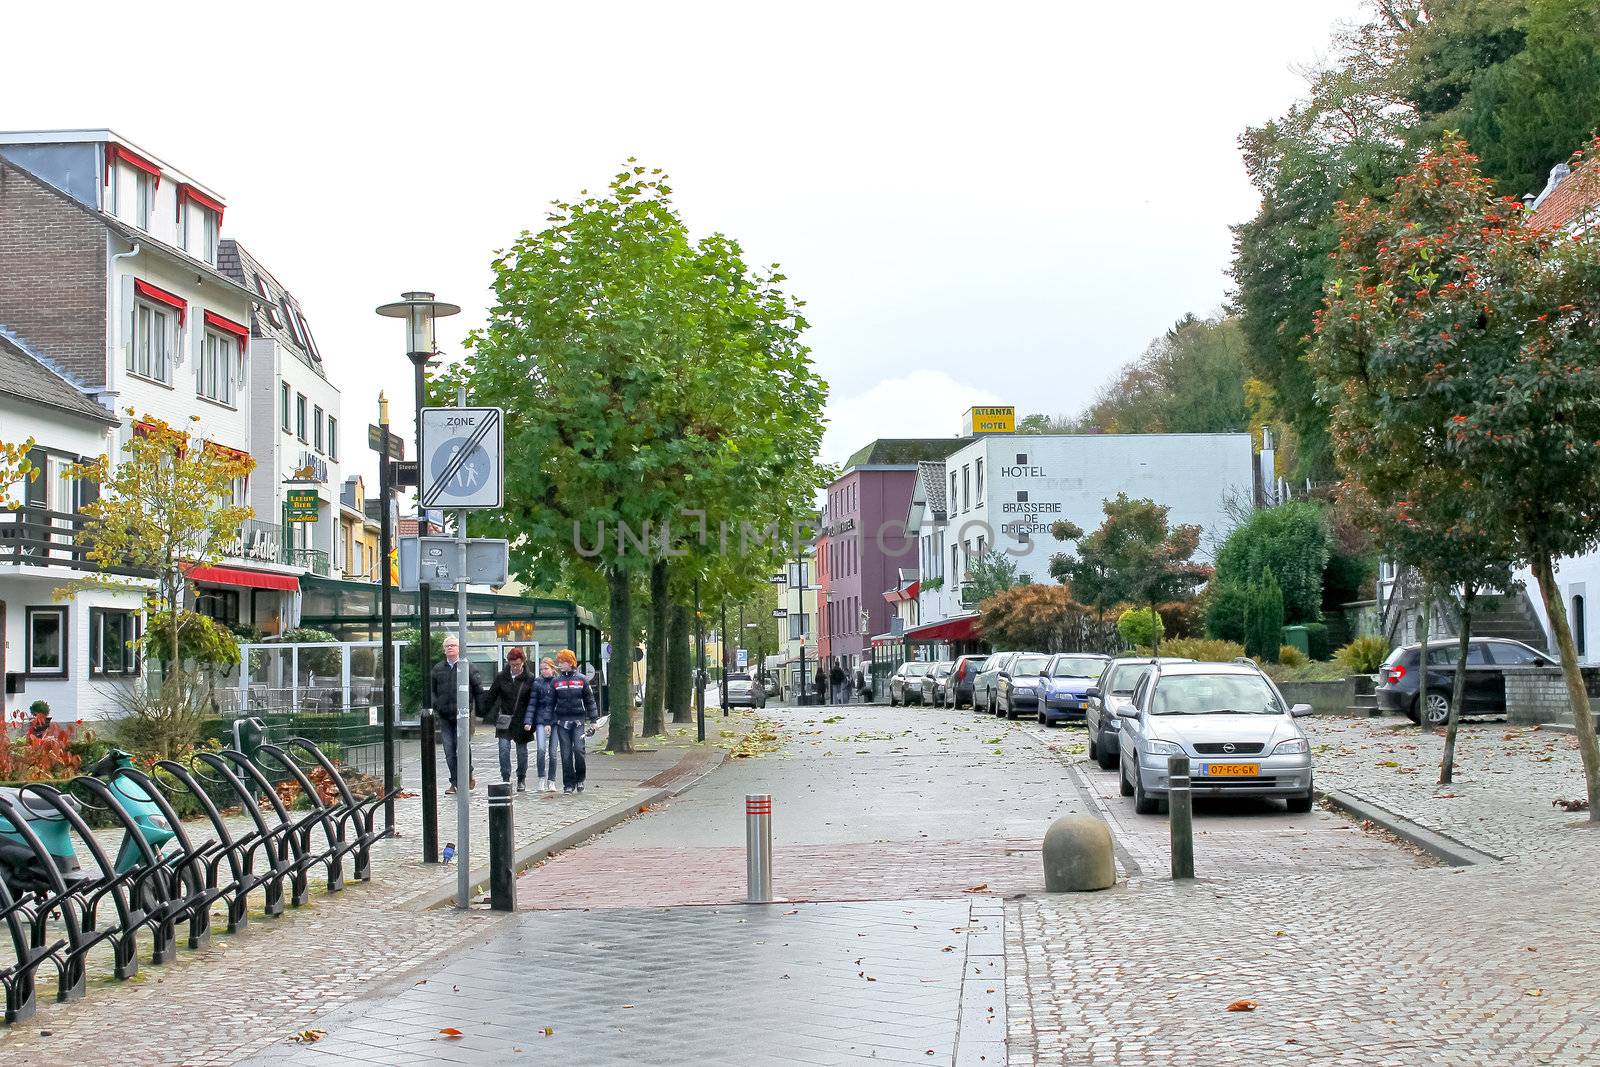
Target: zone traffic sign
[[462, 452]]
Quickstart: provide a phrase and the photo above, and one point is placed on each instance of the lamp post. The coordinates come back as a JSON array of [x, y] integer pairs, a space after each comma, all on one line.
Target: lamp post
[[700, 656], [419, 310], [391, 769]]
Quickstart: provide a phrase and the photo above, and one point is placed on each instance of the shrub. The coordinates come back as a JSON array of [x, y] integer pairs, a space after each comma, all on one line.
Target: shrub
[[1290, 542], [1264, 621], [1290, 656], [164, 721], [1317, 640], [1139, 626], [1201, 648], [1364, 655], [1226, 608], [39, 707], [1182, 618]]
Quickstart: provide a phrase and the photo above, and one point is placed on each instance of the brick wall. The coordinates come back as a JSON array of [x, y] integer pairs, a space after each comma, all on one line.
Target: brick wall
[[1539, 694], [52, 275]]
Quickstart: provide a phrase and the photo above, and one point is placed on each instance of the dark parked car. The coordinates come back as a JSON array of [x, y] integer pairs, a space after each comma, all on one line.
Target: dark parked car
[[1062, 685], [1016, 686], [905, 684], [1114, 689], [934, 682], [983, 684], [958, 690], [1399, 680]]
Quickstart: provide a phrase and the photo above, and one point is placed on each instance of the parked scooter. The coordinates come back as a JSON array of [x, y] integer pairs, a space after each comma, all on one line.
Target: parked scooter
[[140, 807], [20, 864]]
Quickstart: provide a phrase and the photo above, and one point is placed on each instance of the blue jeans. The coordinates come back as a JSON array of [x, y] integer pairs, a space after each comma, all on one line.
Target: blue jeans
[[447, 738], [570, 732], [545, 742], [505, 759]]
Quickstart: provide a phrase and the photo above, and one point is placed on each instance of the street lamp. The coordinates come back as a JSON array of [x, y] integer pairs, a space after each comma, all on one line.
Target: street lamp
[[419, 310]]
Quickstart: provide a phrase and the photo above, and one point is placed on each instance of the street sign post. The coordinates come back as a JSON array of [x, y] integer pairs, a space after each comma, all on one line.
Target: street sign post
[[741, 658], [396, 449], [462, 453], [780, 613], [440, 561]]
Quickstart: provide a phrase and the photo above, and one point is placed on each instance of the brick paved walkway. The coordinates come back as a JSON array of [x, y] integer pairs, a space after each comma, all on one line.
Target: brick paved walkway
[[247, 993]]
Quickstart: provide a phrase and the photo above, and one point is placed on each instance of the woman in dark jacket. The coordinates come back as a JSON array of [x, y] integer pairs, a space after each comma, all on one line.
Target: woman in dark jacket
[[542, 717], [508, 702]]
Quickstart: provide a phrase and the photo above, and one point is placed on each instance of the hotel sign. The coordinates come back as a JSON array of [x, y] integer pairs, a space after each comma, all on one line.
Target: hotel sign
[[302, 505], [989, 420]]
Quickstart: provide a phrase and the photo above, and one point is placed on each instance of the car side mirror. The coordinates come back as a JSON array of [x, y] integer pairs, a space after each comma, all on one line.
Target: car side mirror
[[1092, 692], [1127, 711], [1300, 711]]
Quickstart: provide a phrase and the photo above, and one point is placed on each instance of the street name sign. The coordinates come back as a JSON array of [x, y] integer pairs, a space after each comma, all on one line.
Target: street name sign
[[462, 452]]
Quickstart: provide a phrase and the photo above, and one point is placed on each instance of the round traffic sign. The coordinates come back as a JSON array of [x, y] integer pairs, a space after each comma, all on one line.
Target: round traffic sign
[[470, 472]]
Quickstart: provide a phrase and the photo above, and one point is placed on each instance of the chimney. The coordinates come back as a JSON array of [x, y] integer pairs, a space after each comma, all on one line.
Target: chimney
[[1558, 174]]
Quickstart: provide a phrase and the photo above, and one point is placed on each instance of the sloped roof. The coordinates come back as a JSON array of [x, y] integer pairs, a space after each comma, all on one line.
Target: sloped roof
[[28, 375], [278, 315], [904, 451], [931, 475], [1572, 204]]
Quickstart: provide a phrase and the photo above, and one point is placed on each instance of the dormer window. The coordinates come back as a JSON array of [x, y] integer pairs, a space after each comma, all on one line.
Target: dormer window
[[144, 199], [206, 214], [208, 235]]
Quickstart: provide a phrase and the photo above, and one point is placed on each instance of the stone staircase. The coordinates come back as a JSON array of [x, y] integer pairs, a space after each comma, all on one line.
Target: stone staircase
[[1509, 615]]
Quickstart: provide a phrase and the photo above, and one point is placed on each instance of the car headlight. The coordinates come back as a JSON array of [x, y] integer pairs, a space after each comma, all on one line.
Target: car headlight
[[1162, 748], [1291, 746]]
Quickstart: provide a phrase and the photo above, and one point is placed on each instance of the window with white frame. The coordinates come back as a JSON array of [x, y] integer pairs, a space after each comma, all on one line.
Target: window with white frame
[[333, 437], [150, 355], [144, 199], [300, 416], [208, 235], [283, 402], [112, 632], [214, 370], [47, 641]]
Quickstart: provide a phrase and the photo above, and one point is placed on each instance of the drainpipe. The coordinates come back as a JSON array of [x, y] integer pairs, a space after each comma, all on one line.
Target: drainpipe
[[115, 318]]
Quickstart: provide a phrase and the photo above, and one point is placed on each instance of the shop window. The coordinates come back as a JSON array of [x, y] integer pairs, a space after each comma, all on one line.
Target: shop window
[[219, 605], [1579, 630], [47, 641], [111, 632]]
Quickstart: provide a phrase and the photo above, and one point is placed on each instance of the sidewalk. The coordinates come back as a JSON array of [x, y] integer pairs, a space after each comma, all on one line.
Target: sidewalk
[[246, 993]]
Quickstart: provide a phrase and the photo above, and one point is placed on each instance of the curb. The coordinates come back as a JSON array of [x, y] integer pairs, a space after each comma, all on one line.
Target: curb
[[574, 834], [1446, 849]]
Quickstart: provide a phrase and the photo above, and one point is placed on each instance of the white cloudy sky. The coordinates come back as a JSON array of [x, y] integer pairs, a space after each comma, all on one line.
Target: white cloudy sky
[[981, 203]]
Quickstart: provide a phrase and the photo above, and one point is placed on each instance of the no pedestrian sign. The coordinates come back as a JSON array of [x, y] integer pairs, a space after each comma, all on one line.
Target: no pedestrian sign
[[461, 457]]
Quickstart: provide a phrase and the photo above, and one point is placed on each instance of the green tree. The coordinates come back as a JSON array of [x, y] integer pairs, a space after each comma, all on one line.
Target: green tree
[[990, 573], [1290, 541], [15, 468], [1264, 619], [1134, 556], [650, 374], [1491, 329], [1192, 379], [1141, 627]]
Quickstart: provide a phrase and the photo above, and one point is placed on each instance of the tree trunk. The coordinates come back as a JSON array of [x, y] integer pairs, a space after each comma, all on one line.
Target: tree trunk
[[619, 671], [1458, 693], [680, 666], [655, 677], [1577, 694], [1155, 631], [1422, 659]]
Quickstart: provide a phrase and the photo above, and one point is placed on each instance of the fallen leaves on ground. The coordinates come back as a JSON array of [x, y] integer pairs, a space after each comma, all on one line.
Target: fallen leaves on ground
[[761, 739], [548, 1031], [979, 888], [306, 1037], [1535, 992], [1242, 1005], [1580, 804], [451, 1032]]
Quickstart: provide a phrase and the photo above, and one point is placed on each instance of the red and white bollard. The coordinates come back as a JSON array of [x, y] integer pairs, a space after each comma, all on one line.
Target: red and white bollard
[[758, 847]]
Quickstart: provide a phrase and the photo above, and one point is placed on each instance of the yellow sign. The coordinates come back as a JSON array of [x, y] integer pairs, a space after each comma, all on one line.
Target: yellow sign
[[991, 420]]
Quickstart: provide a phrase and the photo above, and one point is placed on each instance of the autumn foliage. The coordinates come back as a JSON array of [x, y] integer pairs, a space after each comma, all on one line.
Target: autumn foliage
[[1045, 618]]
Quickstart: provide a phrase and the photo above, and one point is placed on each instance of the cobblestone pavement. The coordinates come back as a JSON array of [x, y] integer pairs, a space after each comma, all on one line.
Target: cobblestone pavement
[[888, 981], [1354, 963], [247, 993]]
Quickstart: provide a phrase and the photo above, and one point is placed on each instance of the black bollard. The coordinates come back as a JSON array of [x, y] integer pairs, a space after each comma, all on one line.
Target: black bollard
[[502, 892], [430, 791], [1180, 818]]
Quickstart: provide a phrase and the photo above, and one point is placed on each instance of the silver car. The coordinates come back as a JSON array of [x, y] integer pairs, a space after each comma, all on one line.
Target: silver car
[[1232, 723], [746, 692], [1113, 690], [934, 682]]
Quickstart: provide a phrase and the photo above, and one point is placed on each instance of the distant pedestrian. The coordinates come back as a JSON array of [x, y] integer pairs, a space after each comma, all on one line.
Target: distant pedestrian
[[861, 686], [443, 683], [542, 714], [575, 714], [820, 688], [508, 703], [837, 677]]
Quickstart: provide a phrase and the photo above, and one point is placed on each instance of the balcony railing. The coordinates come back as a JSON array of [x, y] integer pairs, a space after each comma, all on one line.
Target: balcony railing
[[43, 538], [258, 541], [312, 559]]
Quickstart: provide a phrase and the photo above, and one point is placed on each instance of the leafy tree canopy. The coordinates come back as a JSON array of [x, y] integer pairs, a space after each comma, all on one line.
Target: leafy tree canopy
[[1289, 541]]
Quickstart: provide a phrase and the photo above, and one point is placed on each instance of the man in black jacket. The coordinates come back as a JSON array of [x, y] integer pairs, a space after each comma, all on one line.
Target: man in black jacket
[[513, 715], [443, 686]]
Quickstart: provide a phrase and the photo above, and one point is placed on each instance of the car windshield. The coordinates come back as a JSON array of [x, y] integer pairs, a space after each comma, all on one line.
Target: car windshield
[[916, 670], [1123, 679], [1215, 694], [1029, 664], [1077, 667], [941, 668]]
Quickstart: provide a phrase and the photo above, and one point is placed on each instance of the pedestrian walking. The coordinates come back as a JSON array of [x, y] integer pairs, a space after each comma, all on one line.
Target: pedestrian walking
[[861, 686], [575, 715], [837, 677], [443, 683], [542, 714], [820, 685], [513, 726]]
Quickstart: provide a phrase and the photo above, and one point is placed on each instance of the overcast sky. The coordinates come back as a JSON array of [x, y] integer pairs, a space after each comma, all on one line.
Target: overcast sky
[[995, 203]]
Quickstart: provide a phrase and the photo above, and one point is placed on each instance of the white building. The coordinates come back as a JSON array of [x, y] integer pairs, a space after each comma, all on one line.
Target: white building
[[1002, 492], [70, 652]]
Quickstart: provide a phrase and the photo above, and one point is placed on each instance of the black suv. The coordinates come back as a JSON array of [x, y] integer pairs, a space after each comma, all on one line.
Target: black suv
[[1487, 658]]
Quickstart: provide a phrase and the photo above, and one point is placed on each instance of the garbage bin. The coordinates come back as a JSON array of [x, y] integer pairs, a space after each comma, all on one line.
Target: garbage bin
[[248, 734], [1299, 637]]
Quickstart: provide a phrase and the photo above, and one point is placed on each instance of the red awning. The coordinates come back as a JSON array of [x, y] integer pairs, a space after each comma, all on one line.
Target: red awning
[[240, 333], [248, 579], [962, 629], [159, 295], [189, 192], [115, 152]]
